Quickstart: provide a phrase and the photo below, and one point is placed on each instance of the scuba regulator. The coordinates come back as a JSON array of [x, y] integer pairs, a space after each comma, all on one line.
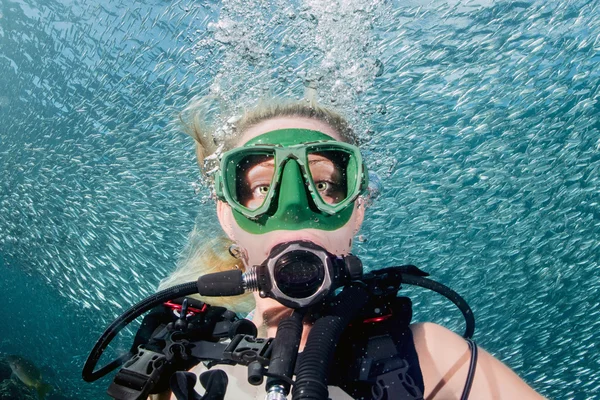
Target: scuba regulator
[[300, 275]]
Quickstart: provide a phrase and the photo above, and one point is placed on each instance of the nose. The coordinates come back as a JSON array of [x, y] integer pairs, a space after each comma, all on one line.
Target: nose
[[294, 205]]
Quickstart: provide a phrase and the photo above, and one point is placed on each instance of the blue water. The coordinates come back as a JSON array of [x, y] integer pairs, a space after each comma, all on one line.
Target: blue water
[[481, 118]]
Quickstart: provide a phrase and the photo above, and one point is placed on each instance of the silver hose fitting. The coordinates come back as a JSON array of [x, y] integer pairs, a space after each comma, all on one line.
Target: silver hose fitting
[[276, 392], [250, 279]]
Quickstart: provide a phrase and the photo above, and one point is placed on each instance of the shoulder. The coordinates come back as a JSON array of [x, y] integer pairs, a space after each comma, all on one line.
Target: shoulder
[[444, 358], [431, 337], [438, 346]]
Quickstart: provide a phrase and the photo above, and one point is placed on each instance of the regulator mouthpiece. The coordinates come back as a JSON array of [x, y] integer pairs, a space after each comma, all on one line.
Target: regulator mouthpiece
[[300, 273]]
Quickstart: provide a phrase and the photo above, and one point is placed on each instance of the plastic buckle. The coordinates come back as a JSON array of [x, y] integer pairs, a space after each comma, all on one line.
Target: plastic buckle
[[396, 384], [138, 376], [245, 349], [190, 310]]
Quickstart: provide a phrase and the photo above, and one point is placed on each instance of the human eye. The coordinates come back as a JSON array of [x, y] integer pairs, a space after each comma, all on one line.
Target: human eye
[[260, 191], [324, 186], [254, 177], [330, 192], [328, 176]]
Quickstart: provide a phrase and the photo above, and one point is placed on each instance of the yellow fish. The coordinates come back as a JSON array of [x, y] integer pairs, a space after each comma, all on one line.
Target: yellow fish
[[28, 374]]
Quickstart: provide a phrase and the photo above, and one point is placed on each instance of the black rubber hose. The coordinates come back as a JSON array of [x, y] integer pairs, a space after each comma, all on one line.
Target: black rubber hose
[[450, 295], [313, 368], [285, 350], [225, 283], [472, 369], [88, 373]]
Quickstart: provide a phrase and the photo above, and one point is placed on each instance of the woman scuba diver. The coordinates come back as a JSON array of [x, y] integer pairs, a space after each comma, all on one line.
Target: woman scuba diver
[[291, 189], [292, 172]]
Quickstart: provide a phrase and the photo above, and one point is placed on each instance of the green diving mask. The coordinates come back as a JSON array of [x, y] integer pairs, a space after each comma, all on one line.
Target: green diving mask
[[291, 179]]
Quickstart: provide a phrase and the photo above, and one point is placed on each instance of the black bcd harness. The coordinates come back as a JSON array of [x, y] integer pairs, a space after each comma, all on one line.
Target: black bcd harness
[[375, 357]]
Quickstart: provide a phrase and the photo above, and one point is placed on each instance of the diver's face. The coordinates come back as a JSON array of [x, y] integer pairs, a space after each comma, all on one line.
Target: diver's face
[[256, 247], [255, 179]]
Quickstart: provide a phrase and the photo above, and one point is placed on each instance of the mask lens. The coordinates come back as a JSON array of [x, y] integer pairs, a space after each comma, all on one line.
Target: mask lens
[[249, 178], [333, 173], [299, 274]]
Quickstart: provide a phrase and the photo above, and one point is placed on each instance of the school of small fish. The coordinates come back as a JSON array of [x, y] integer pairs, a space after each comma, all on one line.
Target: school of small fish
[[480, 119]]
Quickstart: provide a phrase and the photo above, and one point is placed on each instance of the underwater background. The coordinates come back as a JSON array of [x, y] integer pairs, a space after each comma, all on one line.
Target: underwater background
[[480, 118]]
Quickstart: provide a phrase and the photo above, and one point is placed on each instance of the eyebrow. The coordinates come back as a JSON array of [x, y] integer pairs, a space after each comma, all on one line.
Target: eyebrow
[[271, 162], [268, 163], [320, 161]]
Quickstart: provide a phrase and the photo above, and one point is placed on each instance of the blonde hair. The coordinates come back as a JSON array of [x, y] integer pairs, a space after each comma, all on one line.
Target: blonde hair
[[204, 253]]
